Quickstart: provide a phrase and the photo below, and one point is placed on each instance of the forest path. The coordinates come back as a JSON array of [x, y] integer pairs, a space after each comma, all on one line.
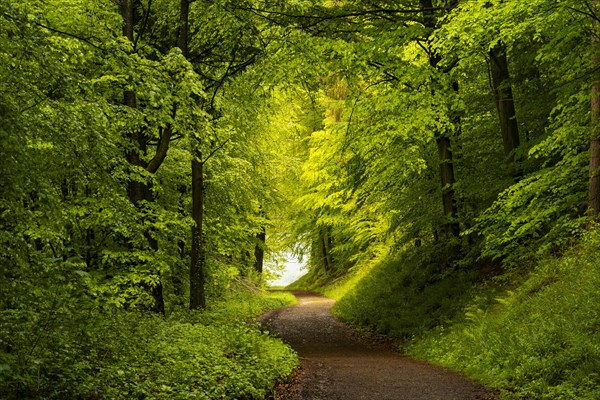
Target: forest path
[[338, 364]]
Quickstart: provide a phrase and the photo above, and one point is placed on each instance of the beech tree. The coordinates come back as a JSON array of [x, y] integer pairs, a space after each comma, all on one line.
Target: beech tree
[[594, 185], [504, 99]]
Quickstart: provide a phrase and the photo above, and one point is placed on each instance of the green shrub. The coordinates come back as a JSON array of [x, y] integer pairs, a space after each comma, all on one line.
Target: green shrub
[[63, 350]]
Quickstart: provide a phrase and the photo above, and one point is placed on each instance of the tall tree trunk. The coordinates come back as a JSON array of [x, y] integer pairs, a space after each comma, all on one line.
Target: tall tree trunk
[[184, 27], [198, 263], [259, 250], [594, 167], [138, 191], [324, 256], [134, 187], [325, 243], [198, 256], [447, 178], [504, 99], [447, 181], [155, 290], [328, 243]]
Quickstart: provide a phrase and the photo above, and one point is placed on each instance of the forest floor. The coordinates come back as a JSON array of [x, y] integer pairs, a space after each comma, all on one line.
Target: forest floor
[[339, 364]]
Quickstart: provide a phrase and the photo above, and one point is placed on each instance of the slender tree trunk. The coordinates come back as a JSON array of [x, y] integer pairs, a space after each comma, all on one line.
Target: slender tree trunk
[[134, 187], [184, 28], [328, 243], [198, 256], [155, 290], [138, 191], [504, 99], [594, 167], [325, 243], [447, 181], [197, 266], [447, 178], [324, 256], [259, 250]]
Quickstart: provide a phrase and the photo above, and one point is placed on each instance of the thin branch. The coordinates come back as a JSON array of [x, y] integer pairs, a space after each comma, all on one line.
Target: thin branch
[[583, 75], [85, 40], [144, 24], [590, 14], [161, 150], [451, 66], [356, 102], [342, 15], [422, 46], [37, 103], [212, 153]]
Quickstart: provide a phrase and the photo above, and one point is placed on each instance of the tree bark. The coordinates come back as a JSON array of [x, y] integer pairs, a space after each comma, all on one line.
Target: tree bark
[[128, 14], [594, 166], [447, 181], [324, 256], [325, 245], [138, 191], [259, 250], [447, 178], [134, 187], [198, 263], [504, 99], [184, 27], [198, 250]]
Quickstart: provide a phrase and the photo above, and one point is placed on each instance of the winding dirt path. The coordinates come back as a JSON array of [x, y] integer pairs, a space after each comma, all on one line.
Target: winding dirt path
[[338, 364]]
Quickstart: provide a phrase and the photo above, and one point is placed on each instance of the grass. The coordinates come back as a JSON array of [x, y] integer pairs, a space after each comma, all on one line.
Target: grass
[[118, 354], [539, 341]]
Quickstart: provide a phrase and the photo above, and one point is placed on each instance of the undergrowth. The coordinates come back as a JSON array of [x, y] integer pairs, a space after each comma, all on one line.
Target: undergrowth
[[405, 296], [538, 341], [118, 354]]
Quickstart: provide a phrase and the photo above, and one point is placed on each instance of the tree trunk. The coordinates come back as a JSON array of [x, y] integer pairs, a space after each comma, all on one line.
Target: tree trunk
[[325, 245], [447, 181], [594, 167], [259, 250], [155, 290], [324, 257], [328, 243], [504, 99], [138, 191], [184, 28], [447, 178], [197, 266], [198, 250]]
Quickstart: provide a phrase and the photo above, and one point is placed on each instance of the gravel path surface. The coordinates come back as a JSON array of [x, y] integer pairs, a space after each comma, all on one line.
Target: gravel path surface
[[338, 364]]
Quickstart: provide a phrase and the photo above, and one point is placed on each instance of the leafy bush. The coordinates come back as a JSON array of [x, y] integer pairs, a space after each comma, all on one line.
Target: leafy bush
[[72, 349], [542, 212]]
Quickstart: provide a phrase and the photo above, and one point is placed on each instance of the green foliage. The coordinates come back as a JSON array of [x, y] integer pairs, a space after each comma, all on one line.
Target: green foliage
[[65, 350], [539, 340], [371, 168], [319, 121], [546, 212]]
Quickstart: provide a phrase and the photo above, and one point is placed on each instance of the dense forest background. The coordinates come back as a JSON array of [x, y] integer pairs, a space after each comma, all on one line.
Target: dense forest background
[[425, 157]]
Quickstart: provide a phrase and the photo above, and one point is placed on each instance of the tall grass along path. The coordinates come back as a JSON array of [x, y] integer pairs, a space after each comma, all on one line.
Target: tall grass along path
[[338, 364]]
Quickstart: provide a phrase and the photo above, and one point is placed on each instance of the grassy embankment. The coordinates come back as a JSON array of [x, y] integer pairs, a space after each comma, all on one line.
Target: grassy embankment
[[533, 334], [217, 354]]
